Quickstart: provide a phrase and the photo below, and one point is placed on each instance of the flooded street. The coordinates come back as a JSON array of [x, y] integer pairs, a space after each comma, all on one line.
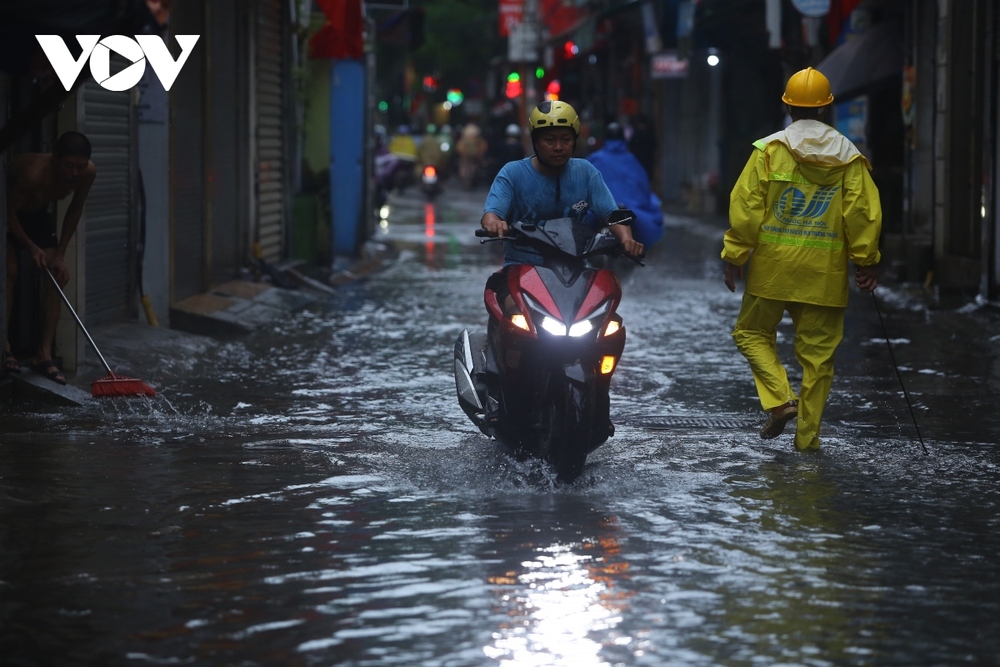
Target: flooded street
[[312, 494]]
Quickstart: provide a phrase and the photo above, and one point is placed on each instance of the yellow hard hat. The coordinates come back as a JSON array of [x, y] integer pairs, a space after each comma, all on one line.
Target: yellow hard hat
[[554, 114], [807, 88]]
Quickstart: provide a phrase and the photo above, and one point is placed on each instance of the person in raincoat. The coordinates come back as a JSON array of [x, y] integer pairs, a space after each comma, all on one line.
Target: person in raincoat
[[471, 151], [629, 183], [429, 152], [804, 208]]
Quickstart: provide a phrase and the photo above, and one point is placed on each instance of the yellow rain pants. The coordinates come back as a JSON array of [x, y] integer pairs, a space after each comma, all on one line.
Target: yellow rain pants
[[818, 332]]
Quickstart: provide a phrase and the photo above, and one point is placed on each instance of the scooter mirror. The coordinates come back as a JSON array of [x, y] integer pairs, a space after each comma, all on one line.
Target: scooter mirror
[[621, 216]]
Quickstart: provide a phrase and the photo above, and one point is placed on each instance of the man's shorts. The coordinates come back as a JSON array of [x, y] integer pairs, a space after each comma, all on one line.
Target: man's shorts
[[40, 227]]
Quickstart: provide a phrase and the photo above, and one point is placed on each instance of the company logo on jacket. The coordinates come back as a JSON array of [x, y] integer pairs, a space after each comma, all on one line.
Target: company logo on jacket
[[794, 207]]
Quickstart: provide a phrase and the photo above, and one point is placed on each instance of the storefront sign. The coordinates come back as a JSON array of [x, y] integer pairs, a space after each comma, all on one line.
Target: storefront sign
[[511, 14], [668, 66]]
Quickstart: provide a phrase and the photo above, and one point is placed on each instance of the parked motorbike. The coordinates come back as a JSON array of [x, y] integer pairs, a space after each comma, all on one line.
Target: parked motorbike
[[429, 182], [538, 381]]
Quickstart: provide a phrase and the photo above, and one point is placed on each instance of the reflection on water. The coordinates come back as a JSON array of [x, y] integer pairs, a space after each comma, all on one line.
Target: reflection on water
[[561, 606]]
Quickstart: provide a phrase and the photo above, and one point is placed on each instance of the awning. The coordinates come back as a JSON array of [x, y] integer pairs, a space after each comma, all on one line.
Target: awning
[[866, 62]]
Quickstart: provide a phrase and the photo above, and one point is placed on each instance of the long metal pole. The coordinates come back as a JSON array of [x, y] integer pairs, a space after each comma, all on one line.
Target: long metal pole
[[900, 377], [78, 320]]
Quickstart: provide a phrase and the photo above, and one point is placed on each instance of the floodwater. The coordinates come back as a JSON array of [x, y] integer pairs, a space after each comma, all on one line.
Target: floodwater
[[313, 495]]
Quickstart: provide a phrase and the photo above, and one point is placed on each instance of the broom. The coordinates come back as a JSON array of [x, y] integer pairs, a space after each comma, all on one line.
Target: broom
[[112, 385]]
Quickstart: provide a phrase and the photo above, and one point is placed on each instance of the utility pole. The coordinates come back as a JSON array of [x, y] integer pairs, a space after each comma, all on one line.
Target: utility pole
[[523, 45]]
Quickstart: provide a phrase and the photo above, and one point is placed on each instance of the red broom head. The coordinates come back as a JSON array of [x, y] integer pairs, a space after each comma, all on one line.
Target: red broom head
[[116, 385]]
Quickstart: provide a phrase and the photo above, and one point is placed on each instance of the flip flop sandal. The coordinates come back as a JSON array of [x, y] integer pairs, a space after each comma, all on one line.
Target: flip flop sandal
[[10, 363], [50, 370]]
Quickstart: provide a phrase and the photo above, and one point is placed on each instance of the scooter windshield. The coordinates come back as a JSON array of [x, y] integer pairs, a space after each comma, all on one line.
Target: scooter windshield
[[567, 236]]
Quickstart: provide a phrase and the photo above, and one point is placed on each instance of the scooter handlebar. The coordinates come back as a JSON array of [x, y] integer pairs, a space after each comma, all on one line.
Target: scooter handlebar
[[514, 231]]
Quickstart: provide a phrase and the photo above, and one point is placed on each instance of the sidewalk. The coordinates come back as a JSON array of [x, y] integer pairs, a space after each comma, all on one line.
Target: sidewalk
[[198, 324]]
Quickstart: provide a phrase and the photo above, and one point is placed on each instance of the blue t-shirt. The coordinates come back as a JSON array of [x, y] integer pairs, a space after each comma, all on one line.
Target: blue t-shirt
[[521, 193]]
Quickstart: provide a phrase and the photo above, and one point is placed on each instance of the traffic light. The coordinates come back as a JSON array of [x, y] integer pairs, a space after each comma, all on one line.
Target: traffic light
[[552, 90], [513, 85], [455, 96], [430, 83]]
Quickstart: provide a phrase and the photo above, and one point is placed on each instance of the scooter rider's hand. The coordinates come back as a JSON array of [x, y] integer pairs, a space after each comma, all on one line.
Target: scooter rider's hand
[[492, 223], [733, 273], [624, 235]]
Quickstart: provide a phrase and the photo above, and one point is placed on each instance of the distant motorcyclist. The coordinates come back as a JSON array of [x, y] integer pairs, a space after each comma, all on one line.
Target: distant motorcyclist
[[447, 142], [429, 152], [403, 152], [512, 147], [550, 184], [471, 151], [629, 183], [403, 144]]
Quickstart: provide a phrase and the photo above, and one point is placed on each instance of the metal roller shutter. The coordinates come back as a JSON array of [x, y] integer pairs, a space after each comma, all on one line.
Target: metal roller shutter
[[187, 172], [270, 64], [228, 139], [107, 120]]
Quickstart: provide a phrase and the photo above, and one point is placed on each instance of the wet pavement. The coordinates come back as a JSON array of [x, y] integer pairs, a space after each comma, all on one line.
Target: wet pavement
[[310, 493]]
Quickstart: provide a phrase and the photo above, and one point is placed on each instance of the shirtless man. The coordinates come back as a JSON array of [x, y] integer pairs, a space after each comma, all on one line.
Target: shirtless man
[[35, 181]]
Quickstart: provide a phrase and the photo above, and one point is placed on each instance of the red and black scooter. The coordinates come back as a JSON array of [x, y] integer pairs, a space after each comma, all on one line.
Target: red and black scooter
[[538, 380]]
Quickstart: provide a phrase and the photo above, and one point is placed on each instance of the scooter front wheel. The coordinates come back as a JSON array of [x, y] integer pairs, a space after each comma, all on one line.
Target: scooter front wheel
[[568, 414]]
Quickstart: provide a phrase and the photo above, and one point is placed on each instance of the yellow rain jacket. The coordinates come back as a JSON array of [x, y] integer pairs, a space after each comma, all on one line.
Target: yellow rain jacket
[[805, 204]]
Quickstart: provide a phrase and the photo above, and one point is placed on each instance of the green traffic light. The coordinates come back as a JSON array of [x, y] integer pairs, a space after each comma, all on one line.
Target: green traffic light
[[539, 72], [513, 77]]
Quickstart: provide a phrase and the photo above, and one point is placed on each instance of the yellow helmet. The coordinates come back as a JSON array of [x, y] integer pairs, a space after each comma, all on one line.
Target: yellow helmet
[[554, 114], [807, 88]]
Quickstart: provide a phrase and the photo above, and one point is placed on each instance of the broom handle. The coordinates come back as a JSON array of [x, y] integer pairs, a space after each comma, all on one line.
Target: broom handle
[[77, 318]]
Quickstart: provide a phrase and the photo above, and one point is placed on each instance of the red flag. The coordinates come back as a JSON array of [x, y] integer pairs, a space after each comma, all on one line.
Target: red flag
[[342, 36]]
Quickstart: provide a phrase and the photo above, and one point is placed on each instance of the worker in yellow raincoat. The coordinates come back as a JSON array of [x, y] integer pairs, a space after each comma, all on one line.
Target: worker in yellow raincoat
[[804, 208]]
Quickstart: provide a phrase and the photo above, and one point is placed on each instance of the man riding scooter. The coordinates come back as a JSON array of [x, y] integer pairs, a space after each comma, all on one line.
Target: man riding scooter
[[550, 184], [539, 380]]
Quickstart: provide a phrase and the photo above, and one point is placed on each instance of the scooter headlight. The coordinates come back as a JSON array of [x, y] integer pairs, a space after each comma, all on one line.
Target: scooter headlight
[[612, 327], [553, 326], [558, 328]]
